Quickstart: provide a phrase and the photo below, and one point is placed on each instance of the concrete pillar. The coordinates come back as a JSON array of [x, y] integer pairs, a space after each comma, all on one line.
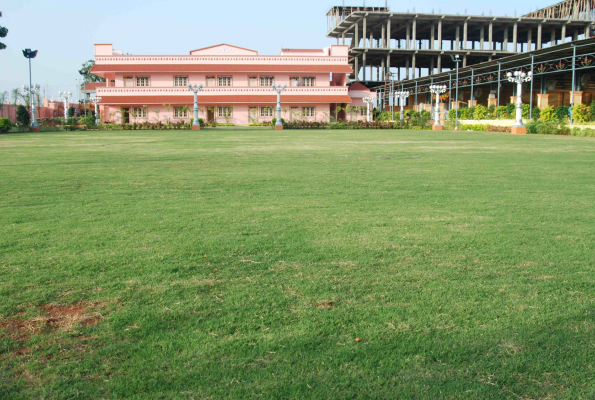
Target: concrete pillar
[[414, 34], [343, 38], [491, 36], [382, 72], [553, 38], [481, 38], [431, 66], [539, 29], [587, 32], [356, 69], [432, 37], [413, 67], [530, 40], [492, 102], [464, 60], [356, 35], [563, 33], [387, 64], [465, 35], [514, 37], [406, 68], [575, 35], [440, 35], [364, 66], [458, 38], [407, 36], [543, 100], [371, 44], [364, 32], [383, 36], [388, 34], [505, 41], [439, 63]]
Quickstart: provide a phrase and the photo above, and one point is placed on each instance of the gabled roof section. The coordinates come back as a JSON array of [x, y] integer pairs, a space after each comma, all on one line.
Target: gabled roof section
[[358, 86], [223, 49]]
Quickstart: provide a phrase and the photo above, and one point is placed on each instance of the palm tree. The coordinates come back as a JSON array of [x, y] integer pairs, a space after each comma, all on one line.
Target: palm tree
[[3, 99]]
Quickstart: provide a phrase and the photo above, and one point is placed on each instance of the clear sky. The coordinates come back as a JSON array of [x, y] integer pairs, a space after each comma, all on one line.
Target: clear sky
[[64, 31]]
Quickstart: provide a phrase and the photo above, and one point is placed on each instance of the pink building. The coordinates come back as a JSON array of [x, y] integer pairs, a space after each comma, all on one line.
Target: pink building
[[237, 85]]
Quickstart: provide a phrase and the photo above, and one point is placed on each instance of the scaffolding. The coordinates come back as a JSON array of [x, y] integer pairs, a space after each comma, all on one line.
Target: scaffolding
[[569, 9]]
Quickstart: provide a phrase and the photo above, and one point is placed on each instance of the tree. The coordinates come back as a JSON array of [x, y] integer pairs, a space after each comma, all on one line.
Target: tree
[[70, 112], [90, 77], [23, 117], [3, 100], [3, 33]]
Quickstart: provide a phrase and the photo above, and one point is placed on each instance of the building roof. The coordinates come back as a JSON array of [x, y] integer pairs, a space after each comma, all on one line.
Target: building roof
[[222, 45], [93, 85], [358, 86]]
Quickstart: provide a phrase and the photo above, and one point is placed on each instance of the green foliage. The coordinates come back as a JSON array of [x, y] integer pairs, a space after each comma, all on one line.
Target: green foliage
[[501, 112], [581, 113], [91, 77], [510, 110], [526, 110], [592, 110], [583, 132], [547, 128], [70, 112], [548, 114], [480, 112], [89, 121], [491, 111], [3, 33], [274, 121], [562, 113], [5, 125], [72, 124], [23, 117], [536, 113]]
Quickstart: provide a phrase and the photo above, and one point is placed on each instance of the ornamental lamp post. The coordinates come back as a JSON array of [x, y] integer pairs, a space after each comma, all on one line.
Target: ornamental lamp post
[[65, 96], [279, 89], [32, 90], [456, 59], [368, 101], [195, 89], [437, 90], [96, 100], [85, 74], [519, 77], [30, 54], [402, 95], [392, 97]]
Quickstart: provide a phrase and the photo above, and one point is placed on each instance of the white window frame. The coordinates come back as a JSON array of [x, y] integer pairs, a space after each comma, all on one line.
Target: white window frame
[[267, 112], [140, 81], [254, 80], [308, 81], [224, 111], [363, 111], [210, 81], [293, 80], [308, 111], [267, 80], [225, 79], [180, 81], [139, 112], [129, 80], [180, 113]]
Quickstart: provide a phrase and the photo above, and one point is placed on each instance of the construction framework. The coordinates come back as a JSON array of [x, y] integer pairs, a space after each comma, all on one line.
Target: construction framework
[[569, 9]]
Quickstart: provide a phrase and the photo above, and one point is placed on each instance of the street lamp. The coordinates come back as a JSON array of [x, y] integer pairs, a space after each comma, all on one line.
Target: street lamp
[[279, 89], [368, 101], [85, 74], [65, 96], [392, 97], [456, 59], [437, 90], [96, 100], [519, 77], [195, 89], [402, 95], [33, 91], [30, 54]]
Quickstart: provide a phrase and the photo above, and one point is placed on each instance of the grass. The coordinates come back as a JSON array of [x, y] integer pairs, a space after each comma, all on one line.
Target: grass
[[242, 263]]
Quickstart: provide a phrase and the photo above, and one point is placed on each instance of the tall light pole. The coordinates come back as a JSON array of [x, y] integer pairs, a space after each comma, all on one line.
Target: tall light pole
[[65, 96], [33, 91], [392, 94], [279, 89], [402, 95], [437, 90], [96, 100], [30, 54], [368, 101], [195, 89], [519, 77], [456, 59], [85, 74]]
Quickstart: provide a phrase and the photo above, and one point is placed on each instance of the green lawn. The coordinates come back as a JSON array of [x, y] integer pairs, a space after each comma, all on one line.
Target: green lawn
[[242, 263]]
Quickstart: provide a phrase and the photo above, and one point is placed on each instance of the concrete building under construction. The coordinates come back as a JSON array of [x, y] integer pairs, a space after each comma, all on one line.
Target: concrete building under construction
[[411, 45]]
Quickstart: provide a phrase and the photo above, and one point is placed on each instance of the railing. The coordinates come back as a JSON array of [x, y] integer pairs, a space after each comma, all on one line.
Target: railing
[[221, 90]]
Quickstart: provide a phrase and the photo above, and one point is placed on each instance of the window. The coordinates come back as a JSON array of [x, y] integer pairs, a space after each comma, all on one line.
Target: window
[[128, 81], [180, 81], [225, 81], [180, 112], [363, 111], [308, 111], [142, 81], [308, 81], [267, 81], [139, 112], [294, 81], [266, 111], [252, 81], [224, 111], [210, 81]]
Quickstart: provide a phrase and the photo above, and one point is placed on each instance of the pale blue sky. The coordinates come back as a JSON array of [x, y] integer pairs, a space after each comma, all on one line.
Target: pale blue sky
[[64, 31]]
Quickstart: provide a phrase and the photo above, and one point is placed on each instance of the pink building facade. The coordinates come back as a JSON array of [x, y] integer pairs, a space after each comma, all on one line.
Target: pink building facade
[[236, 85]]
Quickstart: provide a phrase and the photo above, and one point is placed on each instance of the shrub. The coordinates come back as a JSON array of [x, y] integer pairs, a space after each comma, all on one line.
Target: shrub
[[274, 121], [587, 132], [548, 114], [501, 112], [581, 113], [491, 111], [72, 124], [89, 121], [510, 110], [479, 112], [592, 110], [526, 110], [23, 117], [547, 128], [562, 113], [536, 113], [70, 112], [5, 125]]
